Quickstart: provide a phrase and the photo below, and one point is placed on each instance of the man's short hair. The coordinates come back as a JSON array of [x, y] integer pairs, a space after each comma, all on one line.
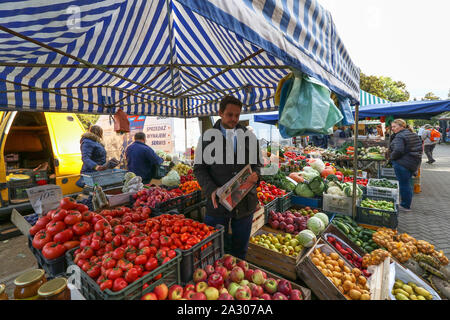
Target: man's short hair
[[229, 100], [139, 136]]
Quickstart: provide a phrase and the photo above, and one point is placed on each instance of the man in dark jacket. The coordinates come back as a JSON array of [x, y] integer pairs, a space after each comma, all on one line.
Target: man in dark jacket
[[213, 174], [141, 159], [406, 155]]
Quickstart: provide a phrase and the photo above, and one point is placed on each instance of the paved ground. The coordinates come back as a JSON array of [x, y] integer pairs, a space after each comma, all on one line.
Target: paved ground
[[430, 219]]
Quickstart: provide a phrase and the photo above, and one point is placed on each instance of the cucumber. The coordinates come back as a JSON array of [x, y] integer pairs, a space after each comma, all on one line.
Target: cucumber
[[354, 224], [343, 227], [359, 229], [358, 243]]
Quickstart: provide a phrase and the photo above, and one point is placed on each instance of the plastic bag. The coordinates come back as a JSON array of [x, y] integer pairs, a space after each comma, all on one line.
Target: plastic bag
[[347, 113], [172, 179], [307, 108]]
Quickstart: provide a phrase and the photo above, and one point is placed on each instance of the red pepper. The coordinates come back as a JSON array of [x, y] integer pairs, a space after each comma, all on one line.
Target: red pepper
[[331, 239]]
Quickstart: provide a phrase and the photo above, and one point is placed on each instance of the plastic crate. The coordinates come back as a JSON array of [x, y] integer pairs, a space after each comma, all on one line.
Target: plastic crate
[[104, 178], [161, 171], [383, 192], [115, 200], [284, 203], [387, 172], [172, 204], [54, 268], [199, 256], [40, 175], [192, 199], [170, 274], [378, 217], [273, 205], [337, 204], [18, 189], [307, 202]]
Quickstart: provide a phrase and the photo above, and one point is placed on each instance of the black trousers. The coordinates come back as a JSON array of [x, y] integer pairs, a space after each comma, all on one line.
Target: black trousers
[[429, 151]]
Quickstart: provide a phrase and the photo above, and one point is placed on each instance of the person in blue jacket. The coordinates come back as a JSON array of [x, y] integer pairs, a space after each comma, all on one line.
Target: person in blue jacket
[[142, 159], [93, 152]]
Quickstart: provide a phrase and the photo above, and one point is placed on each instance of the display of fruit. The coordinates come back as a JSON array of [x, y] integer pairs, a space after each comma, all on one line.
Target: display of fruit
[[350, 282], [189, 187], [153, 196], [268, 192], [360, 181], [440, 256], [425, 247], [375, 258], [281, 243], [186, 178], [409, 291], [291, 221], [349, 254], [182, 169], [230, 281]]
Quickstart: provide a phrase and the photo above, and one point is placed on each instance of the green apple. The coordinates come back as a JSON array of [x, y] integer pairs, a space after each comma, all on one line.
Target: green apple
[[290, 248], [266, 246], [298, 248], [294, 242], [285, 251], [277, 246], [271, 246], [288, 236], [232, 288]]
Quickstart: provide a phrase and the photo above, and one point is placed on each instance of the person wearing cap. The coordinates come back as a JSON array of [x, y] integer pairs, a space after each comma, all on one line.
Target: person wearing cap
[[429, 144]]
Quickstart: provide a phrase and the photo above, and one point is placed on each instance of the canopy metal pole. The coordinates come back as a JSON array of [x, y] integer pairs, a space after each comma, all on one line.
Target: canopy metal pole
[[355, 159], [185, 124]]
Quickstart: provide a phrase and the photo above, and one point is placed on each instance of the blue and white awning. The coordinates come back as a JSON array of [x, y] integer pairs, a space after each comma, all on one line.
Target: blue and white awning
[[367, 99], [164, 57]]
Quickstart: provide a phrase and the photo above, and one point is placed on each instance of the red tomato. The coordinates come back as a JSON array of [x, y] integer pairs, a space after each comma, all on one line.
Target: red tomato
[[73, 217], [140, 259], [119, 284], [106, 284], [68, 203], [114, 273], [40, 239], [101, 225], [71, 244], [53, 250], [82, 207], [81, 228], [151, 264], [59, 215], [87, 216], [131, 275], [55, 227], [63, 236]]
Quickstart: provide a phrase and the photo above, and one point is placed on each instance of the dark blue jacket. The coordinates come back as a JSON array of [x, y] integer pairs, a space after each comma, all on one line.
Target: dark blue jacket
[[93, 153], [141, 159], [406, 149]]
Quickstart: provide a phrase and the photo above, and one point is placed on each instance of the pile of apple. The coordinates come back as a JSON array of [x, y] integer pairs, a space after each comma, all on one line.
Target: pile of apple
[[152, 196], [228, 280]]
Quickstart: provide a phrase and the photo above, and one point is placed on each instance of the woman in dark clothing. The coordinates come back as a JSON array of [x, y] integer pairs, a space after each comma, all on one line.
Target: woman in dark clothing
[[405, 152], [93, 152]]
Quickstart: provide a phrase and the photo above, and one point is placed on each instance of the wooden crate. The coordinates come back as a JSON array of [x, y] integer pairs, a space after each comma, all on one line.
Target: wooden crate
[[305, 291], [273, 260], [322, 287], [335, 231], [19, 221], [258, 220]]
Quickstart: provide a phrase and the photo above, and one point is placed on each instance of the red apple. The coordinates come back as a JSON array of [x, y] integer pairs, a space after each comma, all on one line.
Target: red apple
[[256, 290], [188, 294], [249, 274], [218, 263], [201, 286], [243, 264], [161, 291], [200, 275], [199, 296], [212, 293], [243, 293], [237, 274], [225, 296], [284, 287], [296, 295], [264, 275], [232, 288], [189, 287], [229, 262], [222, 271], [270, 285], [279, 296], [215, 280], [175, 292], [209, 269], [149, 296], [265, 296]]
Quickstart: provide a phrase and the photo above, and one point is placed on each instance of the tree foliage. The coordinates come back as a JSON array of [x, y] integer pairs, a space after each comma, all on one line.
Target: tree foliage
[[431, 96], [384, 87], [88, 119]]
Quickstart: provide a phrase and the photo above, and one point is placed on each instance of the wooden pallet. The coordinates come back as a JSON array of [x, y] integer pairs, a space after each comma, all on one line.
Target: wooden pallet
[[272, 260]]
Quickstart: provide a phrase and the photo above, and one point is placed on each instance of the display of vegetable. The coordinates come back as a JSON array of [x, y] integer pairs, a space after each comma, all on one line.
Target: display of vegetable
[[360, 236], [267, 192], [152, 196], [289, 221], [360, 181], [189, 187], [317, 186], [171, 179], [280, 181], [378, 204], [281, 243], [383, 183], [182, 169], [409, 291]]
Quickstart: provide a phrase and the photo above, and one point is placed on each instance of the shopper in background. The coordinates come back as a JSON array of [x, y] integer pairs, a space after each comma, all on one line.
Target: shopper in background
[[421, 130], [213, 176], [339, 133], [405, 152], [141, 159], [93, 152], [348, 132], [430, 138]]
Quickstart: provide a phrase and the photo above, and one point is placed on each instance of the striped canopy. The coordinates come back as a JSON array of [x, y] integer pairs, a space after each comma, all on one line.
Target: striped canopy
[[173, 58], [367, 99]]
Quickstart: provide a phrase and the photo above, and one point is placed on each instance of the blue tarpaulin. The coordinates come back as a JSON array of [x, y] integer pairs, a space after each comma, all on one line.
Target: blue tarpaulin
[[267, 118], [173, 58], [407, 110]]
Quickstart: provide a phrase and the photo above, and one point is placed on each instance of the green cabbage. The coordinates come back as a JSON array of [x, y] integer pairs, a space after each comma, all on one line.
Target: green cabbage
[[317, 186], [172, 179], [309, 173], [302, 190], [307, 238]]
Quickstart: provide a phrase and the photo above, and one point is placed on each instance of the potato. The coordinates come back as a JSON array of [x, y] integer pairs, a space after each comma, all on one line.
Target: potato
[[356, 272], [337, 274], [315, 260], [362, 280], [330, 266], [348, 285], [341, 263], [334, 256], [341, 289], [336, 281], [323, 265], [346, 269], [355, 294], [337, 268], [348, 277]]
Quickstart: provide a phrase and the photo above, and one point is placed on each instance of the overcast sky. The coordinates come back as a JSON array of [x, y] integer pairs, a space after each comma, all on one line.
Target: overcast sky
[[407, 40]]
